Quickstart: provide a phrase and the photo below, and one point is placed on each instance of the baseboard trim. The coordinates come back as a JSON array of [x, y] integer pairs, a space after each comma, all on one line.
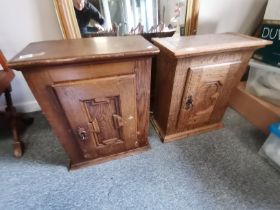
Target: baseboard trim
[[26, 107]]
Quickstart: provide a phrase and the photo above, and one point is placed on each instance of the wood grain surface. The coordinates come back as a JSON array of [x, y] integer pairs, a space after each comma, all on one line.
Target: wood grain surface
[[95, 94], [193, 89], [186, 46], [82, 50]]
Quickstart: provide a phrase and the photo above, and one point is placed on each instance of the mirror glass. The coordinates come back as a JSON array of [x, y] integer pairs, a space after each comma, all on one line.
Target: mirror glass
[[129, 17]]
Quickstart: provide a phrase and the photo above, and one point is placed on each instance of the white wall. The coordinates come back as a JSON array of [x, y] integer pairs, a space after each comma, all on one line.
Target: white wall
[[217, 16], [22, 22], [273, 10]]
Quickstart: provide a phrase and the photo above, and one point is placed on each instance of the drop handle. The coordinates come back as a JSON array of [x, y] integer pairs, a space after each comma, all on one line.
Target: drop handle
[[82, 134], [189, 103]]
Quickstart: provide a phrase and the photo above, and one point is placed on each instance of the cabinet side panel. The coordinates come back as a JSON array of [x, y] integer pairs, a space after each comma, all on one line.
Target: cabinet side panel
[[142, 71], [40, 82], [165, 73]]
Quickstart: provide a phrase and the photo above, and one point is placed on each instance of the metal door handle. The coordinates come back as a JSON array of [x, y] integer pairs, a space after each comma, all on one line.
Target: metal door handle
[[189, 103], [82, 134]]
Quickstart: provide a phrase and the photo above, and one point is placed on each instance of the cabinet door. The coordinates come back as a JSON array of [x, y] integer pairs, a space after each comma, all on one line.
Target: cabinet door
[[101, 113], [204, 85]]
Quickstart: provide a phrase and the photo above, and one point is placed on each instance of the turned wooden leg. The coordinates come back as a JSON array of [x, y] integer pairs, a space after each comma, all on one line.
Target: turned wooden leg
[[17, 143]]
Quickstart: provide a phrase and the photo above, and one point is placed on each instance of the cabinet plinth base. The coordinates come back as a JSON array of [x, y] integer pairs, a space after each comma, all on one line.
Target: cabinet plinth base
[[177, 136], [74, 166]]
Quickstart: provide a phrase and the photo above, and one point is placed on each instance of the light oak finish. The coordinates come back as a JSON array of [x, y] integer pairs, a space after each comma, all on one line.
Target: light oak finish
[[94, 92], [259, 112], [194, 78]]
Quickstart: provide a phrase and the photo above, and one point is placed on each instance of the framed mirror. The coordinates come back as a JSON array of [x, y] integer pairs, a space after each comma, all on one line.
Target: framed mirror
[[150, 18]]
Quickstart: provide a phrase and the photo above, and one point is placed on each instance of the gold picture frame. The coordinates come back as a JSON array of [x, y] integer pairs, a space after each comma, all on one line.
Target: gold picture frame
[[67, 19], [191, 17], [70, 29]]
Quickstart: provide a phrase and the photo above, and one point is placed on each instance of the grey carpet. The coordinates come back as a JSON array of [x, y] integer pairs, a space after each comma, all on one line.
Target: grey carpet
[[216, 170]]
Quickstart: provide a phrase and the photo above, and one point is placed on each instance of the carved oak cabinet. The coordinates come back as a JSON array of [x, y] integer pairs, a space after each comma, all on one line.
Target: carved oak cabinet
[[94, 92], [194, 78]]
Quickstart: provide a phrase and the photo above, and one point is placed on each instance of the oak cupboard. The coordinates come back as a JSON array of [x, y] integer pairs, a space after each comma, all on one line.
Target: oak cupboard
[[194, 78], [94, 92]]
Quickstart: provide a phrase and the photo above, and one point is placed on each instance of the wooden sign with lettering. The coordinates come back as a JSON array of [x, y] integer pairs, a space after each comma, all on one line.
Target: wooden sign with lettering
[[271, 53]]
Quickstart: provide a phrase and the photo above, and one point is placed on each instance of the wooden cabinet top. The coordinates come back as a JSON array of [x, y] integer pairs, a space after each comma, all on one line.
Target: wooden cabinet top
[[82, 50], [187, 46]]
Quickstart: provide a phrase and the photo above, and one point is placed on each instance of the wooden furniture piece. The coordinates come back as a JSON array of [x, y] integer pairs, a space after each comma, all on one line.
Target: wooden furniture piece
[[10, 114], [259, 112], [195, 76], [94, 92]]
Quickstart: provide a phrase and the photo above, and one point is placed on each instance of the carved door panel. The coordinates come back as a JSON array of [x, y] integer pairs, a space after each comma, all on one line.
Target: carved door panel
[[101, 113], [203, 87]]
